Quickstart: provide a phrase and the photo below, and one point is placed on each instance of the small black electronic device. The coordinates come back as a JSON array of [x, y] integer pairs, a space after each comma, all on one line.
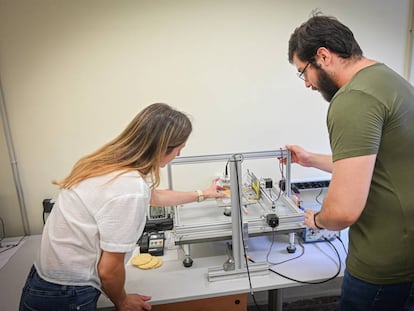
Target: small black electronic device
[[159, 219], [272, 220], [158, 224], [158, 212], [143, 243], [156, 243], [152, 243]]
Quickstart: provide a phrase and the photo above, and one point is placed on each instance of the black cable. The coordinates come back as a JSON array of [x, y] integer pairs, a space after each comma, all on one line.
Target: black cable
[[278, 195], [267, 257], [281, 165], [290, 259], [317, 282], [282, 178], [343, 245], [317, 197], [244, 246]]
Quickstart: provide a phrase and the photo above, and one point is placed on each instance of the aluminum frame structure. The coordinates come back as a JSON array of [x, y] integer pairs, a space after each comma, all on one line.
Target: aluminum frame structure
[[237, 230]]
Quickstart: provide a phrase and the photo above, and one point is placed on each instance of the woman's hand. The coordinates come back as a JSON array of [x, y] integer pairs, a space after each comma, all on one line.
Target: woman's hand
[[111, 271], [135, 302], [214, 191]]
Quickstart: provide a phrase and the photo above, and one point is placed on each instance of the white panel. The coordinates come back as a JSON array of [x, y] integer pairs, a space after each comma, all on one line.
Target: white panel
[[74, 74]]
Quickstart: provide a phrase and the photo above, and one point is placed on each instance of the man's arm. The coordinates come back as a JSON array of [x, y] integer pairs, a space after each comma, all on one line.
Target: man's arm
[[347, 193], [310, 159], [111, 270]]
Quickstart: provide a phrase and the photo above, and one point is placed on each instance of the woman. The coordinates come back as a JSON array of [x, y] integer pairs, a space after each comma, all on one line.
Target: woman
[[100, 213]]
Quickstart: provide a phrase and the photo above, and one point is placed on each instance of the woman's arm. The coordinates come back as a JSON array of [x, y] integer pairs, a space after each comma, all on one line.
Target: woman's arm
[[170, 197], [111, 271]]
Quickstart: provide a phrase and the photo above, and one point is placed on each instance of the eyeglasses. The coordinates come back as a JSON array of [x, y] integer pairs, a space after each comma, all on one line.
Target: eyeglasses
[[301, 74]]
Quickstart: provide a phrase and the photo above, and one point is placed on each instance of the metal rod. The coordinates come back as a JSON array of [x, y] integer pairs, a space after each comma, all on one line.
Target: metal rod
[[275, 300], [169, 176], [13, 161], [409, 43], [287, 179], [226, 156], [235, 188]]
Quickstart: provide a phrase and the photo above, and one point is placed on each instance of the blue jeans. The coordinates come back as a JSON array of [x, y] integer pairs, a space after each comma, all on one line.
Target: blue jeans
[[358, 295], [40, 295]]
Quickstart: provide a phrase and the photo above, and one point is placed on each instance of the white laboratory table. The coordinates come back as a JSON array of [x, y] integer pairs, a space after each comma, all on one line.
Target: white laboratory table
[[173, 283]]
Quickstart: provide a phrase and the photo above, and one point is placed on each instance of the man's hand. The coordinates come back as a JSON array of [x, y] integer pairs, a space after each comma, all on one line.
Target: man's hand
[[299, 155], [309, 219], [309, 159]]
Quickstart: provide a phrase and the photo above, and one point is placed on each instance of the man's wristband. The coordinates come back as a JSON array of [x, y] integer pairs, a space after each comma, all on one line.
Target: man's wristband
[[200, 196], [314, 221]]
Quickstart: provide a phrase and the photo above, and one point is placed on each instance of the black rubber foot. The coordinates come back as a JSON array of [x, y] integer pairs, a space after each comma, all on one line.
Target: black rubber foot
[[187, 262]]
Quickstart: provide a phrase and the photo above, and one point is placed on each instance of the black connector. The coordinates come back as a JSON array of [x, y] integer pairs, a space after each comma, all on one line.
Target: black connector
[[272, 220], [311, 184], [295, 189], [267, 183], [282, 184], [293, 186], [48, 205]]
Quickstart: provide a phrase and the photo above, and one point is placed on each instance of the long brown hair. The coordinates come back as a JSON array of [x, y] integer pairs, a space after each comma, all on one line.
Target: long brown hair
[[155, 131]]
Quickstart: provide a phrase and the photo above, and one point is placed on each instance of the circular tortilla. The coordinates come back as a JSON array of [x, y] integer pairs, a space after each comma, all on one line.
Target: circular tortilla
[[160, 262], [151, 264], [141, 259]]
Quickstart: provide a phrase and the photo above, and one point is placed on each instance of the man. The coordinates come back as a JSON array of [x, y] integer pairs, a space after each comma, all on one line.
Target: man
[[371, 130]]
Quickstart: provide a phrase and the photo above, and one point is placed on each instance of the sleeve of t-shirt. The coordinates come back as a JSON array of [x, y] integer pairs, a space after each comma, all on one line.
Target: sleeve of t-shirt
[[120, 221], [355, 122]]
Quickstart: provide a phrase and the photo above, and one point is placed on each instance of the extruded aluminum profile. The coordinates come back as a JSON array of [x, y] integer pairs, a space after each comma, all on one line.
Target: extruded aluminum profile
[[187, 233], [214, 230], [255, 269]]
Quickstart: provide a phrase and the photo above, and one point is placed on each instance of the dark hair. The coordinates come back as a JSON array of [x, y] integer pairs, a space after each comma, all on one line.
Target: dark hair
[[322, 31]]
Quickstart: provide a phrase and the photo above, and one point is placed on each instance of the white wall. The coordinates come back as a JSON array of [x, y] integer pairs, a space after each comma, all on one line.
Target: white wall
[[75, 72]]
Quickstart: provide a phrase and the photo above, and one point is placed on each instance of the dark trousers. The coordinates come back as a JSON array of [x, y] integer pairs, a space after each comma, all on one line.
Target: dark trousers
[[40, 295], [358, 295]]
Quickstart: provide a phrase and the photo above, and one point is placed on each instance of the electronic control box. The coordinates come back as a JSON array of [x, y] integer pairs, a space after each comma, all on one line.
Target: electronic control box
[[320, 235], [310, 194], [152, 243]]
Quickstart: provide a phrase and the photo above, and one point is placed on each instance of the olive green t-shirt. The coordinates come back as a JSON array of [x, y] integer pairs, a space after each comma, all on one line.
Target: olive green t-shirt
[[374, 114]]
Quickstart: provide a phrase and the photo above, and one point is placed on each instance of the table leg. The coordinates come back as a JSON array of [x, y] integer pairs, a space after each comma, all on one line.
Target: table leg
[[275, 300]]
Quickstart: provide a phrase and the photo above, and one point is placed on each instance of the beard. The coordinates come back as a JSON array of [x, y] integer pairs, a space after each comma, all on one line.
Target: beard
[[326, 85]]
